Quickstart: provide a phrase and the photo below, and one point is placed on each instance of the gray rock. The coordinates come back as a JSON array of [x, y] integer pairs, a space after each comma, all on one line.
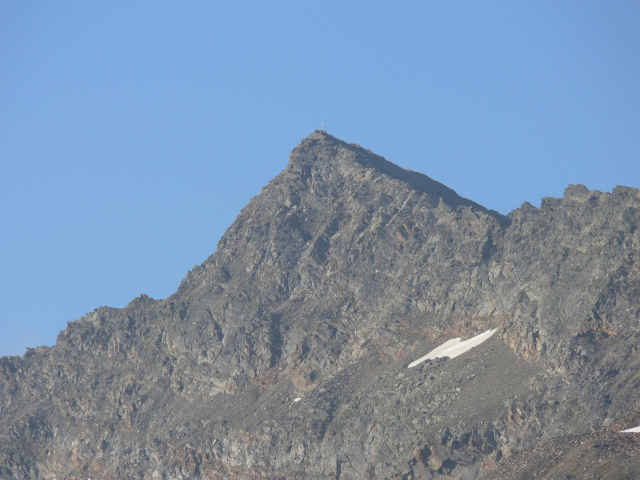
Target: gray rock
[[343, 270]]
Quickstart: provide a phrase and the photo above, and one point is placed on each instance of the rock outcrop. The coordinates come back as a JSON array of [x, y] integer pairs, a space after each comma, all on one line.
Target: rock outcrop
[[284, 355]]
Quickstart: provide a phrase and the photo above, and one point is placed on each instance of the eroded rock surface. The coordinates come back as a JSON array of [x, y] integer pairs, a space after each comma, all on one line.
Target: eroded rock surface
[[342, 271]]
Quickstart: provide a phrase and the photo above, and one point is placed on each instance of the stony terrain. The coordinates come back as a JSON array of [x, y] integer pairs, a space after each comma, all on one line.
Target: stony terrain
[[284, 355]]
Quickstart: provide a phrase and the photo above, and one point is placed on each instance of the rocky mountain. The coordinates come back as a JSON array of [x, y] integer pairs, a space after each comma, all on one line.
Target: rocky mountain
[[285, 354]]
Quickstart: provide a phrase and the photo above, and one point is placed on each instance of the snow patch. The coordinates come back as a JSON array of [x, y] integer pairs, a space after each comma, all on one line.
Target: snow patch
[[631, 430], [454, 347]]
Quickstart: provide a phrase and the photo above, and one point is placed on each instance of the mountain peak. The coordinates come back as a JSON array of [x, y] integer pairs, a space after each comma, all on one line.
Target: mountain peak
[[320, 153], [320, 135], [323, 139]]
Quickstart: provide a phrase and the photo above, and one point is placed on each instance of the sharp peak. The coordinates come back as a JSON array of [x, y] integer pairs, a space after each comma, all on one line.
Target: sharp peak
[[319, 135], [322, 136], [321, 143]]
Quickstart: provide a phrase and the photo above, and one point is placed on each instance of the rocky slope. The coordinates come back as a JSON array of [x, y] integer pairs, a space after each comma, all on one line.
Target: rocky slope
[[284, 355]]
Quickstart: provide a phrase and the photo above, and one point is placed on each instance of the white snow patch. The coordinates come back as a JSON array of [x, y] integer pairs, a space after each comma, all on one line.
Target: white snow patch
[[435, 353], [631, 430], [454, 347]]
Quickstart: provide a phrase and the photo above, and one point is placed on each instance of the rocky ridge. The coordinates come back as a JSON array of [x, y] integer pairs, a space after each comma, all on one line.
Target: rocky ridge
[[342, 271]]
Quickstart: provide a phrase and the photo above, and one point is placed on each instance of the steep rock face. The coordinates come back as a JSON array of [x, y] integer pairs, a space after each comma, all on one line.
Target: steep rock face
[[343, 270]]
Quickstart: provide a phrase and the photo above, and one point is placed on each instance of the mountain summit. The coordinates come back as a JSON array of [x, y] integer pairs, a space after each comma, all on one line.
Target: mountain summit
[[286, 353], [320, 146]]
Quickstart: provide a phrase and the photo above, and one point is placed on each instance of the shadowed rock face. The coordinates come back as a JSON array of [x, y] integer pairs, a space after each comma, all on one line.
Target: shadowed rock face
[[341, 272]]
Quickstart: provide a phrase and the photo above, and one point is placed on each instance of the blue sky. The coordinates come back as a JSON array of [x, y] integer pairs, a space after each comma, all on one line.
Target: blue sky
[[132, 133]]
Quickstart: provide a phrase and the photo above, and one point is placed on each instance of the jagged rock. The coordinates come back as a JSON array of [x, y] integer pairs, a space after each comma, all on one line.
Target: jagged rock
[[284, 355]]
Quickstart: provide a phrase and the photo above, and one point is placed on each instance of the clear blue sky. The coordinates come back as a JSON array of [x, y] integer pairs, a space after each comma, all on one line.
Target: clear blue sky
[[132, 133]]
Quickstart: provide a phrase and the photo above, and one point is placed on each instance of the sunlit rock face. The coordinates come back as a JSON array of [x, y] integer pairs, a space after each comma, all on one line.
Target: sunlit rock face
[[285, 354]]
